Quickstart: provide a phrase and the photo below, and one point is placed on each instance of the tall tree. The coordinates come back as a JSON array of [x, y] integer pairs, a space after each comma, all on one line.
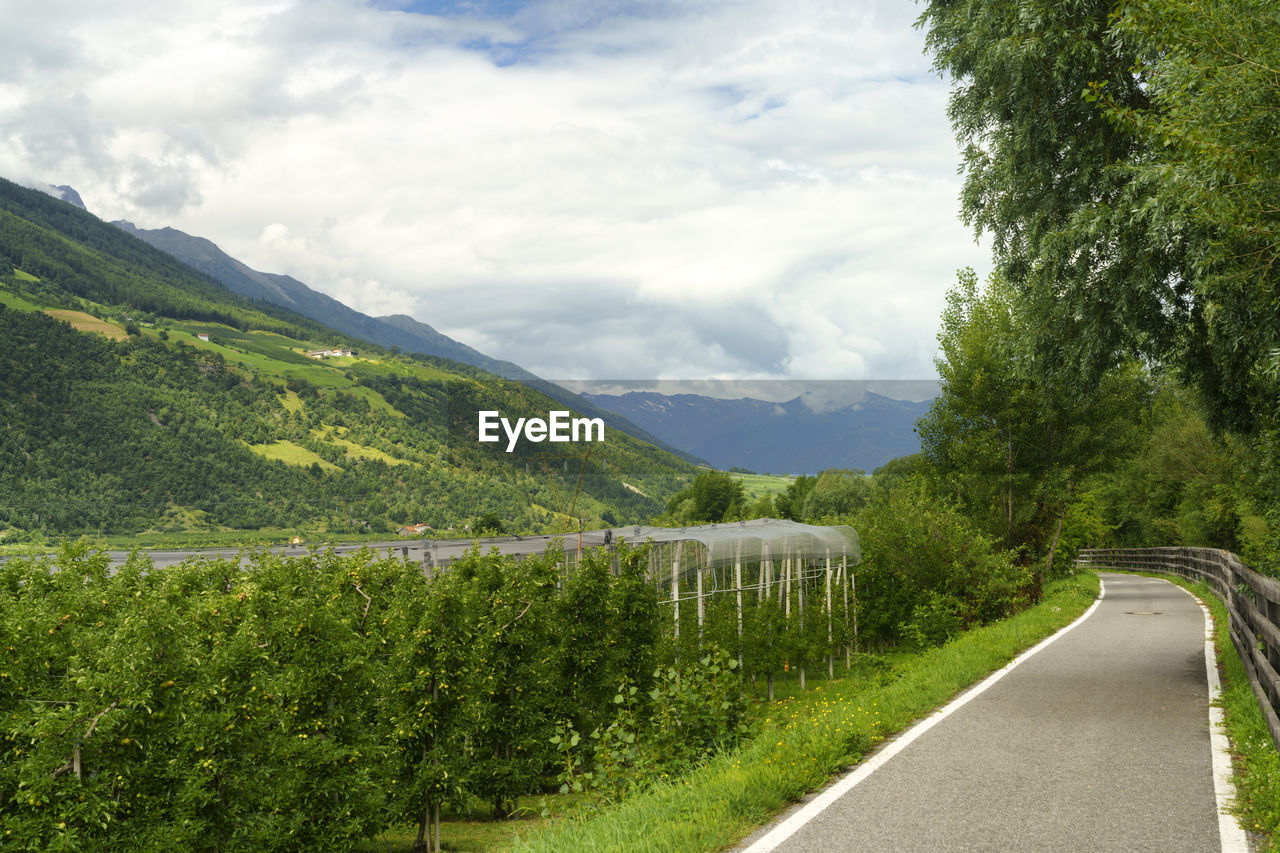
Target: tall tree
[[1038, 157], [1122, 157], [1009, 446], [1213, 76]]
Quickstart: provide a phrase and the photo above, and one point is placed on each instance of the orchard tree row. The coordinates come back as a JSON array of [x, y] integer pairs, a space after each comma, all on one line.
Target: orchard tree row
[[311, 702], [314, 701]]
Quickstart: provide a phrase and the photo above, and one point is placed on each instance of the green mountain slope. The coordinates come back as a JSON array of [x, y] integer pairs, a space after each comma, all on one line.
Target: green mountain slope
[[120, 417], [287, 292], [396, 330]]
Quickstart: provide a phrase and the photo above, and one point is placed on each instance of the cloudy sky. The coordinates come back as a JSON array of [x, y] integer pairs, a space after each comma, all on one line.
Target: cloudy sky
[[730, 189]]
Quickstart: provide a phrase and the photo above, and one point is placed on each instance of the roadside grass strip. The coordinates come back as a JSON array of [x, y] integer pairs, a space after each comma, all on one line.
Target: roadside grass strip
[[724, 800]]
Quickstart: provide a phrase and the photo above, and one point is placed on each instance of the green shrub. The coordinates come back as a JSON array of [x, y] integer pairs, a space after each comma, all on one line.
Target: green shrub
[[927, 572]]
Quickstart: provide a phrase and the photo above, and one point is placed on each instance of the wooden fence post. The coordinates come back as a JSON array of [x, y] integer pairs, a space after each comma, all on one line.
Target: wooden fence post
[[785, 588]]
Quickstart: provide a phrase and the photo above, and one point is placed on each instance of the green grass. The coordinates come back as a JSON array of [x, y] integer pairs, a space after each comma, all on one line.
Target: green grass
[[1257, 763], [269, 344], [23, 275], [291, 454], [13, 300], [333, 435], [291, 401], [84, 322], [270, 359], [474, 830], [377, 367], [376, 400], [267, 353], [757, 485], [1255, 760], [806, 742]]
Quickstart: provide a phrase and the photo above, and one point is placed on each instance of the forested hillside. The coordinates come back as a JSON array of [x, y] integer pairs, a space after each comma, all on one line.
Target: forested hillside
[[122, 417], [396, 330]]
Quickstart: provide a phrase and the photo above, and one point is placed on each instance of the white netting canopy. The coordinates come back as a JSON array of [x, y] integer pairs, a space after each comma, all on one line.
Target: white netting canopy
[[759, 552], [760, 555], [752, 541]]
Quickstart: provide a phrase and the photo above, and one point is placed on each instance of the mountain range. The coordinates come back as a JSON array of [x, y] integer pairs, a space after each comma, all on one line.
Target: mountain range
[[789, 437], [395, 330], [141, 395], [783, 438]]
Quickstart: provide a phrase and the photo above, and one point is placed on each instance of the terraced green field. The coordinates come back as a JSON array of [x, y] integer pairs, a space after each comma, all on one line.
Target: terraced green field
[[291, 454], [763, 484]]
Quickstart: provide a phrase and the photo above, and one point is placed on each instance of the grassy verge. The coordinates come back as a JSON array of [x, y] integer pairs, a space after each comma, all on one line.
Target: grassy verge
[[473, 830], [1255, 759], [801, 747]]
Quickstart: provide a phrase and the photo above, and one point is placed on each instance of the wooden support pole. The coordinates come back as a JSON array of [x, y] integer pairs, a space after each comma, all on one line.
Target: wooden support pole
[[737, 585], [675, 587], [785, 589], [435, 697], [844, 590], [831, 649], [702, 608], [800, 565], [766, 567], [760, 577], [853, 614]]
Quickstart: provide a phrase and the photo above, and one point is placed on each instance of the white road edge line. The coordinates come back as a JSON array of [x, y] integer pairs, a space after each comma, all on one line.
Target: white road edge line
[[829, 795], [1232, 836]]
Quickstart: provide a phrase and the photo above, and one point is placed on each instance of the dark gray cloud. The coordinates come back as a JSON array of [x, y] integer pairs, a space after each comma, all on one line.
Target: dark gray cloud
[[604, 328]]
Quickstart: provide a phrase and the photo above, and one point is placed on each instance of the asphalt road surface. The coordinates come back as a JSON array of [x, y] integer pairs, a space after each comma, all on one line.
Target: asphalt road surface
[[431, 553], [1100, 741]]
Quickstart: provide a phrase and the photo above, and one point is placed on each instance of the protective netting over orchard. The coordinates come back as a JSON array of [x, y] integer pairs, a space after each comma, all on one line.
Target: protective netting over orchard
[[783, 594], [683, 552], [716, 578]]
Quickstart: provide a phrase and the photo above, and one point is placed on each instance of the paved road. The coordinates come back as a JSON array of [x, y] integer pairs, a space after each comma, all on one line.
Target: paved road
[[1100, 741], [434, 553], [429, 552]]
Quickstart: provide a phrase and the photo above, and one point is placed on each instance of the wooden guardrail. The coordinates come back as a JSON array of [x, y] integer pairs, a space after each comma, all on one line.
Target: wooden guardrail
[[1252, 600]]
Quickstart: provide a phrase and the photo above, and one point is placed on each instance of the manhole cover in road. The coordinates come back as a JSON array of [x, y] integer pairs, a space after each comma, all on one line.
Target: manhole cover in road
[[1142, 612]]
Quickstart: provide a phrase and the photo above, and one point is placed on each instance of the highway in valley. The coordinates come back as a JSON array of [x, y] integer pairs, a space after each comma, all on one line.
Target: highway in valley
[[723, 542], [431, 553], [436, 553]]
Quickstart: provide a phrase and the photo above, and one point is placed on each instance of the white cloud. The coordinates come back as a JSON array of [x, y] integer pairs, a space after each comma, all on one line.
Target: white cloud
[[708, 189]]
